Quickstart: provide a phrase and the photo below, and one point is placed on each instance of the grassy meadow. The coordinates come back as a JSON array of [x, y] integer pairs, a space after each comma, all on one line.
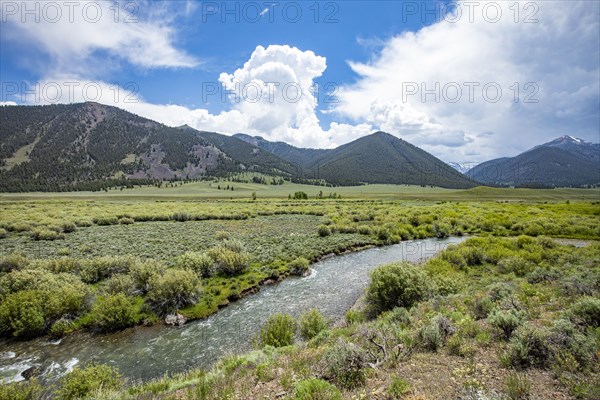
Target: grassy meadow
[[103, 262]]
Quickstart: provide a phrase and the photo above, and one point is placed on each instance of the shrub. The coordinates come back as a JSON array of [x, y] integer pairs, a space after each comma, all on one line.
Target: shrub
[[499, 291], [394, 285], [22, 314], [13, 261], [68, 227], [3, 233], [482, 307], [82, 382], [45, 234], [323, 230], [222, 235], [113, 312], [398, 316], [142, 273], [61, 327], [517, 387], [398, 387], [506, 320], [540, 275], [529, 347], [105, 221], [311, 324], [126, 221], [278, 331], [354, 317], [586, 312], [316, 389], [229, 262], [28, 390], [515, 264], [97, 269], [173, 290], [433, 335], [120, 283], [344, 364], [199, 263], [299, 267], [567, 342]]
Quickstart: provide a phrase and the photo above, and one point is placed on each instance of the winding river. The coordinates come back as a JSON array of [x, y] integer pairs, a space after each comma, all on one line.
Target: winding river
[[147, 352]]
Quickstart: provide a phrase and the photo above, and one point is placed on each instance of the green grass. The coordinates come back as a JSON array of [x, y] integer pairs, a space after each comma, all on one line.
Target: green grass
[[208, 190]]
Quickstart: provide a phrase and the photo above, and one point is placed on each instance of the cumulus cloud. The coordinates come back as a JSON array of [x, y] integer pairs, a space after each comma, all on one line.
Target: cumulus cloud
[[553, 61], [428, 87], [86, 37]]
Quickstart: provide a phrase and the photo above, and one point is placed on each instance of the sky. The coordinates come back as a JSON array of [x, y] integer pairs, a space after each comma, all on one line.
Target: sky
[[467, 81]]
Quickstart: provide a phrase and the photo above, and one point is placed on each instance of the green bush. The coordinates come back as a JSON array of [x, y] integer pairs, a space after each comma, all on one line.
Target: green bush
[[22, 314], [82, 382], [316, 389], [396, 285], [344, 364], [229, 262], [311, 324], [567, 341], [499, 291], [27, 390], [45, 234], [174, 289], [529, 347], [433, 335], [586, 312], [515, 264], [398, 387], [34, 299], [506, 321], [517, 387], [113, 312], [199, 263], [142, 273], [482, 307], [96, 269], [120, 283], [3, 233], [13, 261], [323, 230], [126, 221], [68, 227], [278, 331], [299, 266]]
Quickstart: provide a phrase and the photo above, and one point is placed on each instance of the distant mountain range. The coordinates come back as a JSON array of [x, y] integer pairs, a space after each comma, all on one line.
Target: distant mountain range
[[462, 168], [89, 146], [566, 161]]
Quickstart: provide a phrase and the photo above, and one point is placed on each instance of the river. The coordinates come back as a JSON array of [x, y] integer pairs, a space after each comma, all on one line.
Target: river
[[144, 353]]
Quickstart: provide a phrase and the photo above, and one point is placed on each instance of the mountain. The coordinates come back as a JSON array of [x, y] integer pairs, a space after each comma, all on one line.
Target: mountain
[[296, 155], [566, 161], [462, 168], [89, 145], [376, 158], [384, 158]]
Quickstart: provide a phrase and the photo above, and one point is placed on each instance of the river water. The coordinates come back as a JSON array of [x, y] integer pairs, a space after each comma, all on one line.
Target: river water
[[143, 353]]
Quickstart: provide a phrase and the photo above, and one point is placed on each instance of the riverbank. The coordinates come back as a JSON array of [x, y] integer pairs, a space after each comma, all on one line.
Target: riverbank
[[450, 342]]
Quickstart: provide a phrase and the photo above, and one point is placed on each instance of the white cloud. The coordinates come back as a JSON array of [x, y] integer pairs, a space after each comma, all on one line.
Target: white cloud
[[559, 54], [87, 37]]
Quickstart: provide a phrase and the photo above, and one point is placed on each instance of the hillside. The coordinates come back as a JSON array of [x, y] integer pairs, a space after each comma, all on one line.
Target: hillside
[[376, 158], [565, 161], [89, 146], [296, 155], [384, 158]]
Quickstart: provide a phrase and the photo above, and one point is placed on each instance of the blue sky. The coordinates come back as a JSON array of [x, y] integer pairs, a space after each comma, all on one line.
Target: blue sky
[[373, 53]]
